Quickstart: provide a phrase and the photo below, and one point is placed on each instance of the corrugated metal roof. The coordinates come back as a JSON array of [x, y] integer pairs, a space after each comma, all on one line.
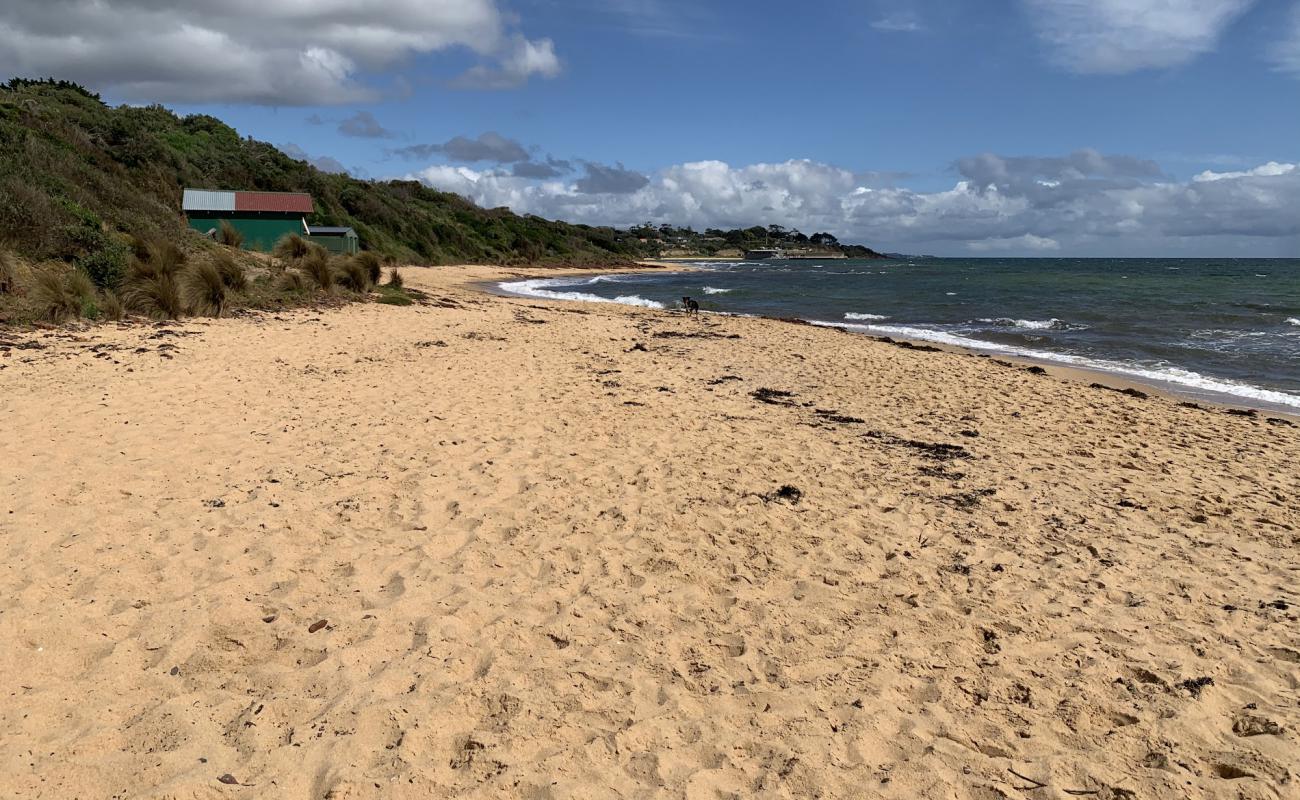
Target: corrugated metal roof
[[284, 202], [330, 230], [203, 200]]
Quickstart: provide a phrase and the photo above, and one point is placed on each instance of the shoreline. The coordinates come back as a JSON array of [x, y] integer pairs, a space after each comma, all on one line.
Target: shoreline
[[1076, 373]]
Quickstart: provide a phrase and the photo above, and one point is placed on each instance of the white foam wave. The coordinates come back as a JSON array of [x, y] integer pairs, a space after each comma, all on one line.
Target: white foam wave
[[854, 316], [715, 290], [1168, 374], [1293, 320], [1028, 324], [544, 288]]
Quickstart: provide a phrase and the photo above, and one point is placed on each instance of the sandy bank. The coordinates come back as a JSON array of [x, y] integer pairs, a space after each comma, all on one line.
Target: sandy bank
[[499, 547]]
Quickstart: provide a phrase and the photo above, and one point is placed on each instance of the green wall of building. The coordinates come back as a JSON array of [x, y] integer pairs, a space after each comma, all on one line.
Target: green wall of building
[[260, 233], [347, 245]]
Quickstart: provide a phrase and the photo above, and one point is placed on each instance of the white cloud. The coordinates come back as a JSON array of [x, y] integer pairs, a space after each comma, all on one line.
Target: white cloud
[[1270, 170], [898, 23], [1026, 243], [288, 52], [1285, 53], [1121, 36], [1120, 200]]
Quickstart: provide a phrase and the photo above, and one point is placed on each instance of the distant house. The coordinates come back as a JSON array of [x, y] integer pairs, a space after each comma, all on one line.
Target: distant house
[[262, 217], [335, 240]]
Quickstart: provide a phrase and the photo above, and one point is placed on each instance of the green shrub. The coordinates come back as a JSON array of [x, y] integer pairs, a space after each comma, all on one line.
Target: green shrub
[[105, 265], [204, 289]]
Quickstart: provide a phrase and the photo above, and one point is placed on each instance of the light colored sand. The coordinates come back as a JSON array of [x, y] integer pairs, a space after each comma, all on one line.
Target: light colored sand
[[548, 572]]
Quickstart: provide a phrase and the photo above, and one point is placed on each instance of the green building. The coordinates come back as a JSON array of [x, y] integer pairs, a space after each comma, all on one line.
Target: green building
[[264, 218], [335, 240]]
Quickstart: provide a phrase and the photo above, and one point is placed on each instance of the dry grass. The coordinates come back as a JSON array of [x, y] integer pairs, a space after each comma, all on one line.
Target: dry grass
[[110, 306], [52, 295], [354, 275], [229, 235], [8, 273], [292, 281], [203, 290], [395, 278], [152, 284], [232, 273], [317, 267], [373, 265], [292, 248]]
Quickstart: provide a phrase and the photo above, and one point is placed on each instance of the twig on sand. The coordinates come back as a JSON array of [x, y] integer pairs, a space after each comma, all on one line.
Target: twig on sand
[[1036, 783]]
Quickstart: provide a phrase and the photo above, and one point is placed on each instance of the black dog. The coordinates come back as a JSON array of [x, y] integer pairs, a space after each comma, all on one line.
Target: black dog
[[690, 305]]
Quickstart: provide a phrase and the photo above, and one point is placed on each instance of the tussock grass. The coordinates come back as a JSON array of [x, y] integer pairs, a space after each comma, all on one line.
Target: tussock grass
[[53, 297], [354, 275], [203, 290], [232, 273], [317, 267], [292, 248], [110, 306], [229, 235], [373, 265], [8, 273], [292, 281], [395, 278], [152, 284]]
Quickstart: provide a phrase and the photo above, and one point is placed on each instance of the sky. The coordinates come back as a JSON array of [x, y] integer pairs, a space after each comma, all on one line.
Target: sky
[[947, 127]]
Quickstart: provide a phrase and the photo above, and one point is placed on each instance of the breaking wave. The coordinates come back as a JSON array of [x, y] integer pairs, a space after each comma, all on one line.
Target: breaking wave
[[854, 316], [544, 288]]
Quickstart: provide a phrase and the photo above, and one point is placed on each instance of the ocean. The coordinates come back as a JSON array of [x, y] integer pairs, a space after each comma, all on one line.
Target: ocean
[[1218, 329]]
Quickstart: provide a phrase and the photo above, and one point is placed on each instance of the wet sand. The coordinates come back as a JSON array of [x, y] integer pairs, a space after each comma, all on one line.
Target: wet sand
[[497, 547]]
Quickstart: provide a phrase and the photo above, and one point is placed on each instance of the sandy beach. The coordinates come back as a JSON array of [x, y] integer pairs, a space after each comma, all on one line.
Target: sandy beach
[[497, 547]]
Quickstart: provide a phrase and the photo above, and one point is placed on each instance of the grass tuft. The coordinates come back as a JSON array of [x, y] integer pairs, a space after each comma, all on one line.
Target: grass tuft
[[8, 273], [204, 290], [395, 278], [54, 297], [151, 286], [232, 274], [110, 306], [229, 235], [292, 248], [354, 275], [317, 267], [373, 265], [292, 281]]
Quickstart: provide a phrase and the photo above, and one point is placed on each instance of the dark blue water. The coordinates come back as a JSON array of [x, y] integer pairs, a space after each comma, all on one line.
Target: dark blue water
[[1208, 326]]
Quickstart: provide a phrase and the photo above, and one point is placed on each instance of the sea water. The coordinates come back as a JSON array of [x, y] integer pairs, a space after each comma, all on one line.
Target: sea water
[[1219, 328]]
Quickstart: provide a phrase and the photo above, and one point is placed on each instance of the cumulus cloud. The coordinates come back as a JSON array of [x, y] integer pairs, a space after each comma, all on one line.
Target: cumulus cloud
[[280, 53], [363, 125], [1270, 170], [490, 146], [1016, 205], [1114, 37]]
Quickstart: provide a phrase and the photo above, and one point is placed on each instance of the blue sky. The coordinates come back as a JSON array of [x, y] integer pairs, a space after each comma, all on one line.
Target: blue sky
[[1017, 127]]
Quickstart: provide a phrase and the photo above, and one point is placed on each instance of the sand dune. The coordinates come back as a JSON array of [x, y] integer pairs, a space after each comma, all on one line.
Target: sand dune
[[501, 548]]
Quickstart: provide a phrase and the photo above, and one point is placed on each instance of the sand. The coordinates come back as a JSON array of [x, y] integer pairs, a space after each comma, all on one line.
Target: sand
[[495, 547]]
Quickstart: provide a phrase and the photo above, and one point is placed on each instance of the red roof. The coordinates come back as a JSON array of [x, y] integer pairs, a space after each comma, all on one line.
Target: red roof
[[282, 202]]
